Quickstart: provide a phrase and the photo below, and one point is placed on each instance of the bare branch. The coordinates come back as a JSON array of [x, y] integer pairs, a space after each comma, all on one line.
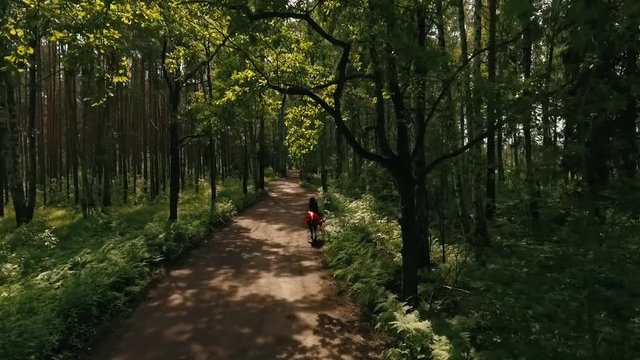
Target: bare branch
[[435, 162]]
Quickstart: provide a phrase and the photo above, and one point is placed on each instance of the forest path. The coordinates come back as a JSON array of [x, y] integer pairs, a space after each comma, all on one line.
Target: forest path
[[255, 290]]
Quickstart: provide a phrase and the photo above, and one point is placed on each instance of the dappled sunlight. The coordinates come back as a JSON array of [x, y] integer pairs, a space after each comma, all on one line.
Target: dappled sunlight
[[255, 290]]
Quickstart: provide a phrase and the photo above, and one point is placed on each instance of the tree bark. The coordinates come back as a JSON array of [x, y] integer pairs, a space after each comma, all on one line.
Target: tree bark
[[31, 130], [481, 235], [491, 113], [174, 154], [12, 155], [628, 117], [87, 201], [423, 247], [533, 196]]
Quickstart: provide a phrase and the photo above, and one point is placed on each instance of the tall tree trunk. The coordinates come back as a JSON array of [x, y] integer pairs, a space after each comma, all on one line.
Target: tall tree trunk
[[212, 145], [491, 113], [11, 154], [72, 135], [481, 235], [282, 149], [423, 252], [405, 174], [107, 143], [323, 160], [87, 201], [144, 117], [533, 196], [546, 99], [409, 230], [629, 117], [467, 112], [262, 150], [339, 156], [245, 161], [31, 129], [2, 172], [174, 154]]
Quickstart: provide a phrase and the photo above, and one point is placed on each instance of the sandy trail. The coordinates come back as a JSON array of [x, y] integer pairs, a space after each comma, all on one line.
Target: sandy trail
[[255, 290]]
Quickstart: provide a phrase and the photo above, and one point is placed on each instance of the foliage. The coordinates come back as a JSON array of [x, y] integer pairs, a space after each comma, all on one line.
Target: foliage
[[363, 251], [523, 298], [64, 279]]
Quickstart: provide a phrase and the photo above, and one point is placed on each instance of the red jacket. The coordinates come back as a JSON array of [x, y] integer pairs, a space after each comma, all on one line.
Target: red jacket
[[311, 216]]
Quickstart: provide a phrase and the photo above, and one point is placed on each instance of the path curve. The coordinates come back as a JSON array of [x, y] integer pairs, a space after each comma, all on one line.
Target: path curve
[[254, 290]]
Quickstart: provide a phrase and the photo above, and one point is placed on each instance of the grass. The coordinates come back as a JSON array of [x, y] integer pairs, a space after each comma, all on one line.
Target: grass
[[63, 278]]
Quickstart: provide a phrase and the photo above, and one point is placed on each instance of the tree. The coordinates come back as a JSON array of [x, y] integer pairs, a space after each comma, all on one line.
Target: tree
[[329, 89]]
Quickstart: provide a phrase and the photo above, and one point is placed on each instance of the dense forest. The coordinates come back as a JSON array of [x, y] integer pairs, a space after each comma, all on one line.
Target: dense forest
[[478, 161]]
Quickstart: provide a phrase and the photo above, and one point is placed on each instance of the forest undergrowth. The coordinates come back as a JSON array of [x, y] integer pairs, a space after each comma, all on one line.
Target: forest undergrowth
[[524, 297], [65, 279]]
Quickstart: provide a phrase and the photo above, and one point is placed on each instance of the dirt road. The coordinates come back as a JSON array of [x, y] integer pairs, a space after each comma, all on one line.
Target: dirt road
[[255, 290]]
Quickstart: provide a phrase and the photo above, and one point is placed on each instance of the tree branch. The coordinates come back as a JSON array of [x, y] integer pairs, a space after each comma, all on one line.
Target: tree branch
[[334, 111], [435, 162], [447, 84], [207, 61], [184, 139], [306, 17]]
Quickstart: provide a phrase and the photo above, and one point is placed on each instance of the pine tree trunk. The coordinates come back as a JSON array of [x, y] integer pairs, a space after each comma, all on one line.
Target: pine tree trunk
[[629, 117], [245, 161], [262, 150], [87, 190], [491, 114], [174, 154], [533, 196], [72, 135], [31, 131]]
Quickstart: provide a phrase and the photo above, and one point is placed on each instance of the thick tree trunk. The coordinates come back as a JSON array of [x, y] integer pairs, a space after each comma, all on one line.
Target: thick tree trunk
[[410, 237], [405, 176], [12, 156]]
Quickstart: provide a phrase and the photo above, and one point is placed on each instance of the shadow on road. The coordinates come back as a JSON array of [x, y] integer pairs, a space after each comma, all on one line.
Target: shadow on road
[[255, 290]]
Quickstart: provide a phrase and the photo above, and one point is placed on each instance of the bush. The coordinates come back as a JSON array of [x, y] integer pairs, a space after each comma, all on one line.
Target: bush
[[363, 249]]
